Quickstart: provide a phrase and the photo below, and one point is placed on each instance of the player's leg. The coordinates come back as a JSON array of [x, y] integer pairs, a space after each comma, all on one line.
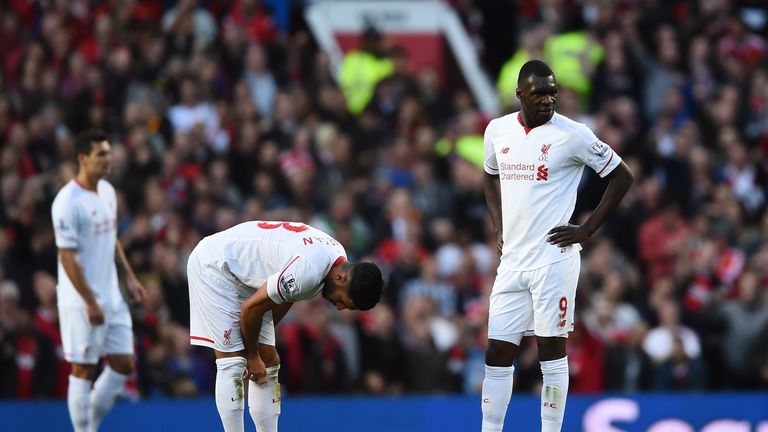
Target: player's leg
[[107, 387], [230, 389], [264, 399], [78, 393], [554, 293], [215, 323], [509, 316], [80, 341], [118, 344]]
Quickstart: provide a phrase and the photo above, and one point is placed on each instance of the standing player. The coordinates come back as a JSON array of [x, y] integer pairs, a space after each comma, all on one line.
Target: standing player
[[94, 318], [242, 282], [534, 160]]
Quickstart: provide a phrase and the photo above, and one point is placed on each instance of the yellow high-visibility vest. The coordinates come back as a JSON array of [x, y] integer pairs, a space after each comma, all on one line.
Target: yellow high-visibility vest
[[360, 73], [564, 53]]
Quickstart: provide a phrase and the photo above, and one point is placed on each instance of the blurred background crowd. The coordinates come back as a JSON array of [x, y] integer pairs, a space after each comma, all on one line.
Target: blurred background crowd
[[217, 114]]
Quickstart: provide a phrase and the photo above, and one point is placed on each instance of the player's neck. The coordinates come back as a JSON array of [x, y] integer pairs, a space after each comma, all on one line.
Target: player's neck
[[87, 182], [529, 124]]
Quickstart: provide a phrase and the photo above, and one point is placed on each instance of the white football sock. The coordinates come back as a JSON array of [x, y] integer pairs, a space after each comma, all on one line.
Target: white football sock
[[264, 401], [77, 402], [229, 392], [105, 390], [497, 389], [554, 392]]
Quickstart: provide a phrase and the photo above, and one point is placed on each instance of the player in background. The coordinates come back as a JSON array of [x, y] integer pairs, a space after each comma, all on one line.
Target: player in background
[[93, 316], [242, 282], [534, 161]]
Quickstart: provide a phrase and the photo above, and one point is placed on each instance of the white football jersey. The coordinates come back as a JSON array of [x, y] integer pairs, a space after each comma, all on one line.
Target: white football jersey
[[292, 258], [539, 170], [87, 221]]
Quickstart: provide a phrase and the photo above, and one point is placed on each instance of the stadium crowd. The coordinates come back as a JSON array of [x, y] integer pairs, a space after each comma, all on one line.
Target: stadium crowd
[[217, 116]]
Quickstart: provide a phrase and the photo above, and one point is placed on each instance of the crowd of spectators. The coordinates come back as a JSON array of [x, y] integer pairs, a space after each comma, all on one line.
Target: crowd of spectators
[[217, 116]]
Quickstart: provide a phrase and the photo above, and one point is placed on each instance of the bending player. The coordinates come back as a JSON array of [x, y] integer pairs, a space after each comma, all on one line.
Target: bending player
[[534, 161], [242, 282]]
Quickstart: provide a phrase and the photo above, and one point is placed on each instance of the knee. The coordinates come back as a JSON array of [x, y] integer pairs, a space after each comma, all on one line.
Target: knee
[[122, 364], [551, 348], [269, 356], [83, 371], [500, 353]]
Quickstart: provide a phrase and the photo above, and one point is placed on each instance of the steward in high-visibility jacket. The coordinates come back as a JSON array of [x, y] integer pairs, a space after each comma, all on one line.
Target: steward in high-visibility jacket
[[361, 70]]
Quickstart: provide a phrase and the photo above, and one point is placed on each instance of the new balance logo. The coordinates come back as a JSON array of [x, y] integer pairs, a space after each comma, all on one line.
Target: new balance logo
[[505, 150], [542, 173], [550, 405]]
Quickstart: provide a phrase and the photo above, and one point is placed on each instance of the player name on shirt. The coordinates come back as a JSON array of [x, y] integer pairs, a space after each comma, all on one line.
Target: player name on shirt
[[322, 240]]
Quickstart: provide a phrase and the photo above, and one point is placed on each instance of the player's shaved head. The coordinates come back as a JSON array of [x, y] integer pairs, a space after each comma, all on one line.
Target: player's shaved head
[[533, 68]]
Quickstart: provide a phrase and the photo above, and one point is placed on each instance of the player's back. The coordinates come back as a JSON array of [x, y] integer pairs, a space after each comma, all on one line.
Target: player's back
[[252, 251]]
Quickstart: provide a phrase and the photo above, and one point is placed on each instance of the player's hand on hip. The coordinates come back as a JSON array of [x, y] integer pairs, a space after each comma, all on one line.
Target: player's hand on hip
[[567, 235], [95, 314], [257, 372], [137, 290]]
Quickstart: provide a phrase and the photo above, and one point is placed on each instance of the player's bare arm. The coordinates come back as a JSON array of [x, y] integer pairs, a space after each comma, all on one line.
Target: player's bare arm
[[251, 314], [493, 199], [131, 281], [619, 182], [76, 275], [279, 312]]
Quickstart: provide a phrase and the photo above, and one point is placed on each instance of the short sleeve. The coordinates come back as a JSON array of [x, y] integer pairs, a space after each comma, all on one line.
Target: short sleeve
[[592, 152], [65, 224], [490, 164], [293, 281]]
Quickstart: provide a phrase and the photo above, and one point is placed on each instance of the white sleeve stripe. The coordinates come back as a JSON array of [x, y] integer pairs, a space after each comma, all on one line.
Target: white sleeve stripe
[[607, 163], [490, 167]]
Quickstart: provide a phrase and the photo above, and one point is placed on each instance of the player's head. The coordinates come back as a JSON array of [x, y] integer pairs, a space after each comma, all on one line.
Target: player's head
[[93, 153], [354, 286], [537, 91], [365, 285]]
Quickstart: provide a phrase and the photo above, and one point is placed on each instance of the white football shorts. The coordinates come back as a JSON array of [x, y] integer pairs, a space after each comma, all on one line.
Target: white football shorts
[[534, 302], [84, 343], [214, 311]]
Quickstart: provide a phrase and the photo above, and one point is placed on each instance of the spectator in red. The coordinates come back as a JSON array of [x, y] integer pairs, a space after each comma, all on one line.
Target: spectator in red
[[47, 323], [661, 238], [254, 19], [28, 357]]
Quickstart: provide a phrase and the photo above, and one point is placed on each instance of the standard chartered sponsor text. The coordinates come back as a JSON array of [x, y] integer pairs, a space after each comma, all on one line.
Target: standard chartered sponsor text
[[519, 171]]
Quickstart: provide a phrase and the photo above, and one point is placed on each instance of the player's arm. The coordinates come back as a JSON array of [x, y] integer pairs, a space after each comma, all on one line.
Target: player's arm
[[77, 277], [619, 182], [131, 281], [279, 311], [251, 314], [492, 188], [491, 184]]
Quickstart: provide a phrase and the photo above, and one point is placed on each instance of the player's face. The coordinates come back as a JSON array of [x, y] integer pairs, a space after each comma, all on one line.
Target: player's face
[[98, 162], [340, 298], [537, 99]]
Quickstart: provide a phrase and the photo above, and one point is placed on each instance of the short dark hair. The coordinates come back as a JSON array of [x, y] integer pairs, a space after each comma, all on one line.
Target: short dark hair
[[533, 67], [366, 285], [84, 141]]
